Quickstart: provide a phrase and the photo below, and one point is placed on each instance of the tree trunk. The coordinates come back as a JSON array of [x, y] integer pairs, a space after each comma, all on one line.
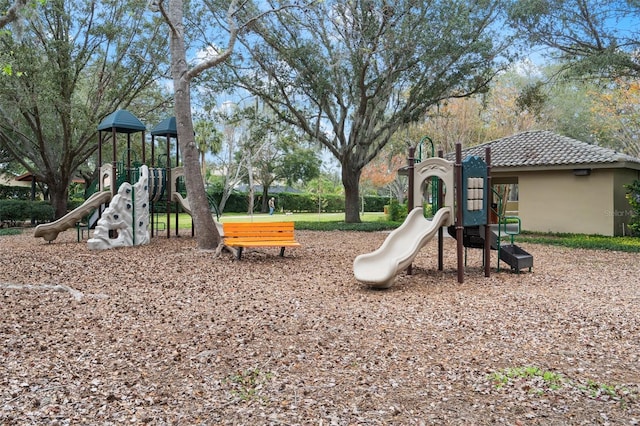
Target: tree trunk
[[351, 182], [251, 199], [203, 164], [265, 199], [59, 195], [206, 232]]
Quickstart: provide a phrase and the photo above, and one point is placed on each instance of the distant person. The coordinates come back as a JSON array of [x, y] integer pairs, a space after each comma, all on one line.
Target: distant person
[[272, 205]]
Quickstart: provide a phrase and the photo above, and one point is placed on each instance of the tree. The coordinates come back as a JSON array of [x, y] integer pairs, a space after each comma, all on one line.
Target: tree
[[351, 73], [207, 235], [183, 74], [283, 157], [73, 63], [13, 12], [616, 116], [382, 172], [208, 139], [598, 37]]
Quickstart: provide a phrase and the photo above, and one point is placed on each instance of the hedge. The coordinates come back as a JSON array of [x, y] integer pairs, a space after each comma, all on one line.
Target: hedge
[[297, 202], [14, 211], [14, 192]]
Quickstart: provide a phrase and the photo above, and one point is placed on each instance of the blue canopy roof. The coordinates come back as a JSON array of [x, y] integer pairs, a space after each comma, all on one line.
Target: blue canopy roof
[[123, 122], [166, 127]]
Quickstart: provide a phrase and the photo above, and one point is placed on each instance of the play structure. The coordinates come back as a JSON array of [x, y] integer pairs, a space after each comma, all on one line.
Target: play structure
[[123, 210], [461, 201]]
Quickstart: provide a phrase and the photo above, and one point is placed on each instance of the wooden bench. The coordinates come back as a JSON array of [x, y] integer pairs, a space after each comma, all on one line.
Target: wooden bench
[[259, 234]]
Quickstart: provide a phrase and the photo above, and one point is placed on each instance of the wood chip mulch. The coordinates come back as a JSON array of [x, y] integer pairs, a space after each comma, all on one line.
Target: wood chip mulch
[[167, 334]]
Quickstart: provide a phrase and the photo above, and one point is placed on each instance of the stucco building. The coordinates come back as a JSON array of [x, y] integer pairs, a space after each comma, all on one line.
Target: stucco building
[[561, 184]]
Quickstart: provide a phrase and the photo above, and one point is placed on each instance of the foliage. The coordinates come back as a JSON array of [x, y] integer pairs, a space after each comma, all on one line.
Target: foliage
[[10, 231], [616, 116], [542, 382], [343, 226], [382, 173], [350, 74], [592, 37], [237, 202], [397, 212], [208, 139], [550, 380], [516, 102], [247, 385], [633, 196], [15, 192], [73, 63], [14, 211]]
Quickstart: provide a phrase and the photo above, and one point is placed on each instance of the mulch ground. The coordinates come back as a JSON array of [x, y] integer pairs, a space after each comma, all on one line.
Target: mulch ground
[[167, 334]]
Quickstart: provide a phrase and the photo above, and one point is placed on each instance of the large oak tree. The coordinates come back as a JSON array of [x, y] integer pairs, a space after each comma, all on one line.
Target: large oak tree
[[595, 37], [73, 63], [351, 73]]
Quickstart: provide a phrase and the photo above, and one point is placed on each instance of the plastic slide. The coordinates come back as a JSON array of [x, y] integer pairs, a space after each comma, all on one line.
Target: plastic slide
[[184, 202], [177, 197], [379, 268], [49, 231]]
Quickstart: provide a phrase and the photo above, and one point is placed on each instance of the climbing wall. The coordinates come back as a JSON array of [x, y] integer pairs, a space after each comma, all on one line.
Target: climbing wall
[[125, 222]]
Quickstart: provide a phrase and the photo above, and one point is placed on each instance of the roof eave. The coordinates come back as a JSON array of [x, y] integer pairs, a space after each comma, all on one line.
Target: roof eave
[[550, 167]]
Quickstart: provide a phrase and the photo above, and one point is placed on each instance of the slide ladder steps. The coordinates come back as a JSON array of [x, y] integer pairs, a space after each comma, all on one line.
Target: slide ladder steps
[[511, 254]]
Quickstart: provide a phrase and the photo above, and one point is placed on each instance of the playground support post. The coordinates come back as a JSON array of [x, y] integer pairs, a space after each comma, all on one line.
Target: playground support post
[[459, 225], [440, 230], [410, 200], [114, 167], [487, 228]]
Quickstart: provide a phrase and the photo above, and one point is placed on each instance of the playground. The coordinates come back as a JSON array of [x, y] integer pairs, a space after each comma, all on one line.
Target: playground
[[163, 333]]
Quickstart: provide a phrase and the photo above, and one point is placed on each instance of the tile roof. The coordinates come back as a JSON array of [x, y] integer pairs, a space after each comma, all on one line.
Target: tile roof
[[545, 148]]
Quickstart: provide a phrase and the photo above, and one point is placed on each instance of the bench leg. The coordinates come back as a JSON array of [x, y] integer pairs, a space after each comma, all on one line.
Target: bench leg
[[281, 251], [239, 253]]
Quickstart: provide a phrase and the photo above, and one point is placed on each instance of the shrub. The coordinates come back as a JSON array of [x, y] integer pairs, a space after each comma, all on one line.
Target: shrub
[[397, 211], [14, 211], [41, 211], [633, 196], [342, 226], [15, 192]]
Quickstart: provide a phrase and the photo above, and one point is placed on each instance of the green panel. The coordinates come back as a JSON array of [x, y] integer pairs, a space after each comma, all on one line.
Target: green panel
[[474, 191]]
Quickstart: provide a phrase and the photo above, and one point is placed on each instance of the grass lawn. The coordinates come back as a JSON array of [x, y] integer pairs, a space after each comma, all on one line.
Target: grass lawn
[[184, 220], [300, 217], [378, 222]]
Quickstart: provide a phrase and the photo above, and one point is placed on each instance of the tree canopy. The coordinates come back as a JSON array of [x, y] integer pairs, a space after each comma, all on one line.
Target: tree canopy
[[600, 37], [73, 63], [350, 74]]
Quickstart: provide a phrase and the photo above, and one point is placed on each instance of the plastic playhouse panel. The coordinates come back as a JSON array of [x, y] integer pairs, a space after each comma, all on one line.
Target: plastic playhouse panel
[[474, 189]]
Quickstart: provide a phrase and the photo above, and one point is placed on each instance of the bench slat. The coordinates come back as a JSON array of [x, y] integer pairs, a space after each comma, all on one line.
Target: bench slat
[[259, 234], [263, 244]]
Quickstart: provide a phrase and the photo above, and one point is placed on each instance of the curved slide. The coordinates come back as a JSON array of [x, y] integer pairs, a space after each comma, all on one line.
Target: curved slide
[[396, 253], [49, 231], [184, 202]]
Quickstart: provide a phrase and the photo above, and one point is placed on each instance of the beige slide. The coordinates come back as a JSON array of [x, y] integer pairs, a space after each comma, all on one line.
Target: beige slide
[[184, 203], [380, 267], [49, 231]]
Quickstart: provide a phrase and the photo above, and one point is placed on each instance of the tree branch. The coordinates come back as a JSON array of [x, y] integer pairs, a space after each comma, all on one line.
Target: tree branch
[[159, 6], [76, 294], [12, 13]]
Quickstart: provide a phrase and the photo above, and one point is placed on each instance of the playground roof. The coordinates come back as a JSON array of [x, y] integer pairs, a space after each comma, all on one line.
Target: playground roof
[[547, 149], [166, 127], [123, 122]]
